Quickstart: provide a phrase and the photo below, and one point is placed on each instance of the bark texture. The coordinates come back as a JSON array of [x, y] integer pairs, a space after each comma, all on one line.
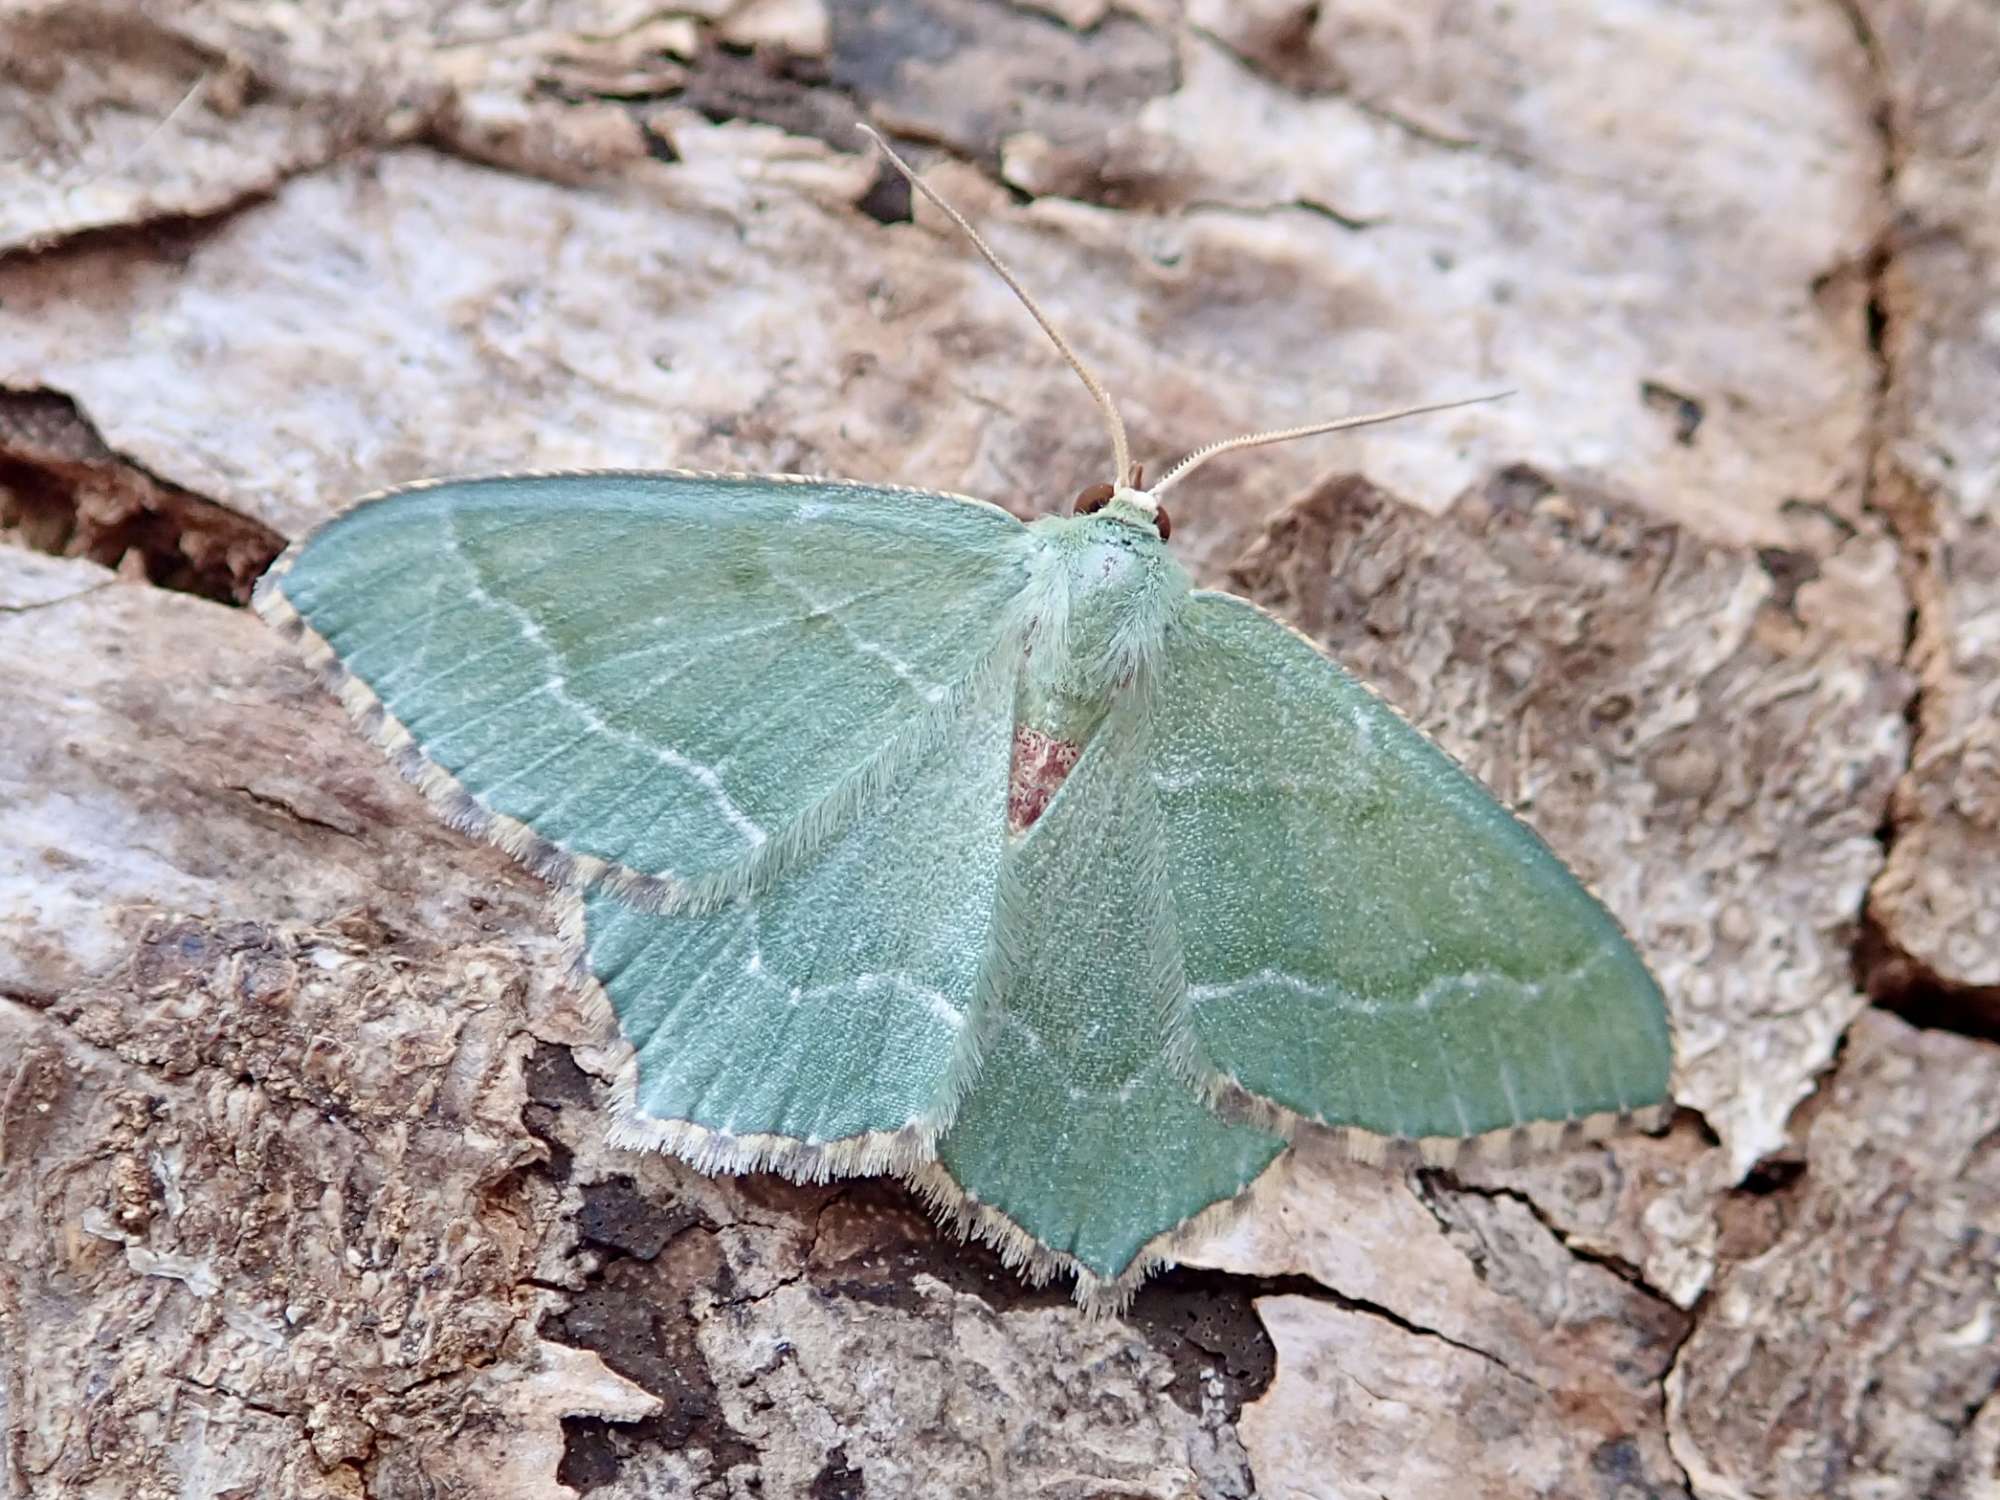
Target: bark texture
[[303, 1187]]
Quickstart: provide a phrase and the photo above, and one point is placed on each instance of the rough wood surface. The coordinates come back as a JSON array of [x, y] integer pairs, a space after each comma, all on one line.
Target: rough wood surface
[[303, 1188]]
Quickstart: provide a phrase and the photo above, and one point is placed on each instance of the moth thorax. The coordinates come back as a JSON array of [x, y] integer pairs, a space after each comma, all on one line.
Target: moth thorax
[[1103, 593], [1119, 597]]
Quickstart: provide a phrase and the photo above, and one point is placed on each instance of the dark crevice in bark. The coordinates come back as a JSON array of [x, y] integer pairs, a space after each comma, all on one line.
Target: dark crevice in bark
[[1772, 1176], [771, 87], [1874, 270], [837, 1479], [1672, 1364], [1253, 1287], [64, 491], [1897, 981], [633, 1311], [883, 64], [1891, 977], [877, 64], [635, 1306], [1206, 1325], [888, 199], [172, 237], [1055, 81]]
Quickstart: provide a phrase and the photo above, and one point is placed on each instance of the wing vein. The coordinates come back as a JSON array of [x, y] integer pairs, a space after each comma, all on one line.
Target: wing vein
[[532, 632]]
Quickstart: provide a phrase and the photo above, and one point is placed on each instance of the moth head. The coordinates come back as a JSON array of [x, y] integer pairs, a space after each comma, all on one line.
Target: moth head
[[1134, 505]]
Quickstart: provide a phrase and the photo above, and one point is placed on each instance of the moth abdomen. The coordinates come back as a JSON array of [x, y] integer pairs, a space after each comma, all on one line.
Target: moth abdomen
[[1040, 764]]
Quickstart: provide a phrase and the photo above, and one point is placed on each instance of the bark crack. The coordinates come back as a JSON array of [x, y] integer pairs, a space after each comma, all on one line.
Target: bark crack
[[1354, 223], [1889, 975], [285, 1413], [1668, 1428], [1318, 1291], [71, 598], [1617, 1265], [1906, 517], [65, 491], [290, 810], [1632, 1275]]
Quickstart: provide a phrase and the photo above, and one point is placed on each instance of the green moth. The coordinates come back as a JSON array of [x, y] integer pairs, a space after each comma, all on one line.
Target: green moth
[[897, 835]]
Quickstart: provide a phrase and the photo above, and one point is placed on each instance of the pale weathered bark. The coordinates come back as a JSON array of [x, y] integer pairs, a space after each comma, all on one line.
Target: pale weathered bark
[[303, 1187]]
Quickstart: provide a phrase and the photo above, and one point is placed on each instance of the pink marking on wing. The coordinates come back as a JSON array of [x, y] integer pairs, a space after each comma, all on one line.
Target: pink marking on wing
[[1041, 764]]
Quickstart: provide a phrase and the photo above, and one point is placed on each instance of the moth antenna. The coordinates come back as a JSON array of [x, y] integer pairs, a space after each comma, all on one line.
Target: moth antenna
[[145, 145], [165, 124], [160, 127], [1203, 454], [1121, 455]]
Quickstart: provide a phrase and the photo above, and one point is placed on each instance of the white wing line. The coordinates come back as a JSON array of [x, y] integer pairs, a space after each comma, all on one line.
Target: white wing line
[[1424, 999], [1199, 994], [664, 755], [1430, 995], [1507, 1088], [424, 620], [937, 1002], [930, 692], [1010, 1021], [694, 645], [1451, 1083], [735, 633], [503, 706]]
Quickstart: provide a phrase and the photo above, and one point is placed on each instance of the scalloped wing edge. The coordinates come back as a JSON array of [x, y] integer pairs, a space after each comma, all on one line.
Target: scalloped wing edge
[[1099, 1296], [446, 794], [910, 1153], [1508, 1145], [708, 1150]]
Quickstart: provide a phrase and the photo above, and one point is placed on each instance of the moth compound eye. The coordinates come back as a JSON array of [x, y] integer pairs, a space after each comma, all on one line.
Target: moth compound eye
[[1163, 521], [1094, 498]]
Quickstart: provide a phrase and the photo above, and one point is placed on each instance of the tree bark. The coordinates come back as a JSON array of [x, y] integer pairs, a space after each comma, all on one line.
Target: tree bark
[[303, 1181]]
